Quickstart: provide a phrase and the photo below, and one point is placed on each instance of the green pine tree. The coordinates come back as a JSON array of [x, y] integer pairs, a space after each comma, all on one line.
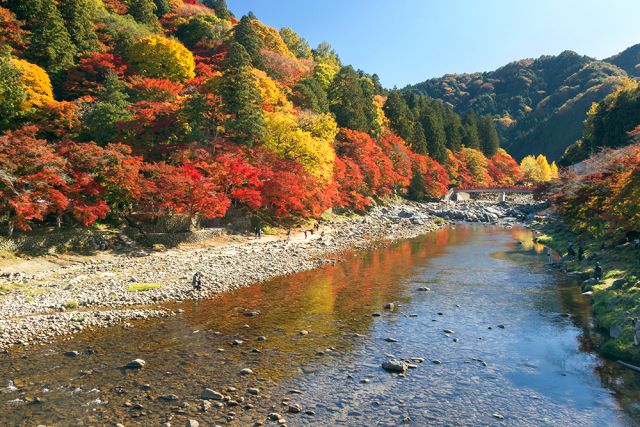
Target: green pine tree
[[489, 139], [220, 7], [144, 12], [241, 98], [434, 133], [246, 34], [418, 141], [100, 123], [12, 93], [311, 95], [453, 129], [400, 116], [471, 139], [352, 108], [162, 7], [51, 46], [79, 15]]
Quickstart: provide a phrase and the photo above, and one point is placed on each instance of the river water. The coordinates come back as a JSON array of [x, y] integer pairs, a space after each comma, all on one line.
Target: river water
[[539, 367]]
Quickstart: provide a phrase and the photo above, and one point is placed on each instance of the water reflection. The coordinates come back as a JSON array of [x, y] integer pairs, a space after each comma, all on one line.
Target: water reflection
[[539, 369]]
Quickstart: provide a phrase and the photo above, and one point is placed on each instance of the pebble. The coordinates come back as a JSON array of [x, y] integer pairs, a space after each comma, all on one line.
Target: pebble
[[303, 332], [135, 364], [209, 394], [254, 391], [389, 306], [246, 371]]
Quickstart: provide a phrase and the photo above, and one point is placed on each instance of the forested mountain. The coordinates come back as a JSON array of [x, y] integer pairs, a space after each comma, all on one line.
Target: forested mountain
[[628, 60], [540, 103], [113, 109]]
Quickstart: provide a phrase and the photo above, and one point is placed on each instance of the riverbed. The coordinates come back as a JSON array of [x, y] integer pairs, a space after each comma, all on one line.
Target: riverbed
[[498, 339]]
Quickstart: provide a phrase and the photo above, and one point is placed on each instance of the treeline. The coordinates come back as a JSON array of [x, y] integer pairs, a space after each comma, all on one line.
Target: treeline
[[609, 123], [110, 108]]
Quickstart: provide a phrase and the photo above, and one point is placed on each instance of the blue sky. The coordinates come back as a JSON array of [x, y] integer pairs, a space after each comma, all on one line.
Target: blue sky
[[408, 41]]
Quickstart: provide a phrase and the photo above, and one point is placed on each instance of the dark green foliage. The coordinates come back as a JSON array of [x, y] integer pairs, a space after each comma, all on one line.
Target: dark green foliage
[[246, 34], [102, 118], [350, 100], [434, 133], [124, 30], [628, 60], [489, 139], [453, 129], [199, 29], [310, 94], [51, 46], [607, 126], [400, 116], [79, 16], [418, 141], [12, 94], [471, 139], [220, 7], [546, 97], [144, 12], [241, 97], [198, 114], [162, 7]]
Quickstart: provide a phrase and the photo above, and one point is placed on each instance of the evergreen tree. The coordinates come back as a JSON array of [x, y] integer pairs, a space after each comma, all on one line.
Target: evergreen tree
[[101, 120], [12, 92], [162, 7], [418, 141], [220, 7], [310, 94], [435, 135], [453, 129], [471, 139], [246, 34], [489, 139], [144, 12], [79, 15], [51, 46], [296, 44], [348, 102], [241, 97], [399, 115]]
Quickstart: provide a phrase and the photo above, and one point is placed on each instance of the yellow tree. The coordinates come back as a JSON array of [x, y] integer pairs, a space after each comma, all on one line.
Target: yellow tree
[[36, 84], [545, 169], [162, 58], [531, 170], [554, 170], [285, 137]]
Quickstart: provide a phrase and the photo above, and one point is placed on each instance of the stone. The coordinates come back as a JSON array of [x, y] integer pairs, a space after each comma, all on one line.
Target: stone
[[168, 397], [389, 306], [192, 423], [447, 331], [423, 289], [274, 416], [262, 338], [417, 359], [303, 332], [254, 391], [209, 394], [205, 405], [72, 354], [135, 364], [497, 416], [246, 371], [389, 339], [251, 313], [394, 366], [294, 409], [436, 362]]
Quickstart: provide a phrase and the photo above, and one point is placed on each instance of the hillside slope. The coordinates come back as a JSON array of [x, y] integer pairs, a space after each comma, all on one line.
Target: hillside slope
[[540, 103]]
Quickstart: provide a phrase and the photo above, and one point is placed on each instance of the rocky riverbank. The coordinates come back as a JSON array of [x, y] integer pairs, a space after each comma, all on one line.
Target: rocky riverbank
[[97, 293]]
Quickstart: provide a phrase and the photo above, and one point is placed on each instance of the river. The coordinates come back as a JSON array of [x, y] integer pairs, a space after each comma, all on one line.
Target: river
[[518, 352]]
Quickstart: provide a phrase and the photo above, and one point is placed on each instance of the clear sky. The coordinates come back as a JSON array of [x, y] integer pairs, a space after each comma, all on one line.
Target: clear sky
[[408, 41]]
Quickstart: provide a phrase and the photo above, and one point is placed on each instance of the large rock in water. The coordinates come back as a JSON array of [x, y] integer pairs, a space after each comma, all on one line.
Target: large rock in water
[[395, 366]]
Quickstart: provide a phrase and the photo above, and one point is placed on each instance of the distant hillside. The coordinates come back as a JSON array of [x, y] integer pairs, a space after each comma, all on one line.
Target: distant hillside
[[628, 60], [539, 103]]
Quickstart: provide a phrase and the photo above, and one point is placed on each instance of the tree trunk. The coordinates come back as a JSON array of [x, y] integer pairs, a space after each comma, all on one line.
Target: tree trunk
[[11, 226], [59, 221]]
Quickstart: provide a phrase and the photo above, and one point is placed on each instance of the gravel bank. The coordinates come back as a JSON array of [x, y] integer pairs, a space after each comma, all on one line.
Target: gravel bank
[[65, 300]]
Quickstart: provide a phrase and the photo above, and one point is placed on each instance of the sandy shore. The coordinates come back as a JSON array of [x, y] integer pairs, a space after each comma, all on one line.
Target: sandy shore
[[103, 291]]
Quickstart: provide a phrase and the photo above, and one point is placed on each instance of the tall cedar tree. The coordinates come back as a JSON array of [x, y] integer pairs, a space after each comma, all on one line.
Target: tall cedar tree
[[348, 102], [434, 132], [12, 93], [246, 34], [241, 98], [311, 95], [144, 12], [51, 46], [489, 139], [78, 15], [220, 7], [399, 115], [471, 138], [453, 129], [103, 117]]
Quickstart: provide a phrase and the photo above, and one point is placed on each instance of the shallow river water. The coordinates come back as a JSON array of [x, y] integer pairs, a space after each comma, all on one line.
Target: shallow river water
[[501, 303]]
